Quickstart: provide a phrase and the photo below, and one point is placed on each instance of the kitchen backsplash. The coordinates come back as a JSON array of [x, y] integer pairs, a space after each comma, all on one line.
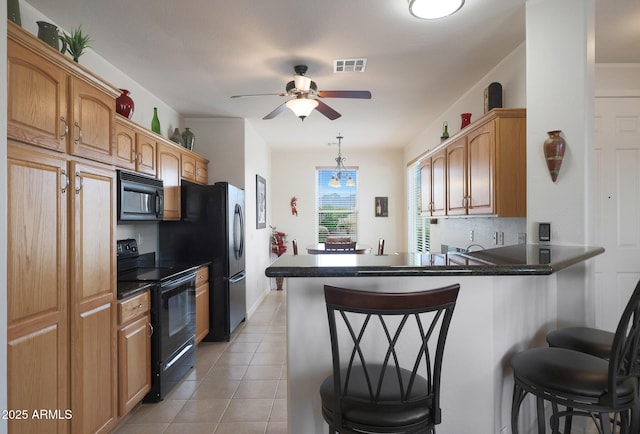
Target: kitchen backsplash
[[146, 234]]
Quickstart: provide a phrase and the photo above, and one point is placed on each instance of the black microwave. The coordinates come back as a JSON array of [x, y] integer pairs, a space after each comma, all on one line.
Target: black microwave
[[140, 198]]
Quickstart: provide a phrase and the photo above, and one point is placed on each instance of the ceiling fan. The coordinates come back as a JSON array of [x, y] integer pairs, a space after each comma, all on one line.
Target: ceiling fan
[[303, 89]]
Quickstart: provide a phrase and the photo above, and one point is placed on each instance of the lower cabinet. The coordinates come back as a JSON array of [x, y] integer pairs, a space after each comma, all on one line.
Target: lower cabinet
[[202, 303], [134, 351]]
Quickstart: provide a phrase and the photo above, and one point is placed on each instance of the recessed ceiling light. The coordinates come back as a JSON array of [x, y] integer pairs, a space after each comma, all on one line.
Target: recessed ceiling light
[[433, 9], [349, 65]]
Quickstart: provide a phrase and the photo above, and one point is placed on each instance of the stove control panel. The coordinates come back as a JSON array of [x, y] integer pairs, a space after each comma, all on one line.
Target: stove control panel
[[127, 248]]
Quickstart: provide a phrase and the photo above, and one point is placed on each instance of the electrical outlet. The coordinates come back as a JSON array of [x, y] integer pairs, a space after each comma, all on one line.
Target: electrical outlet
[[501, 238], [471, 235]]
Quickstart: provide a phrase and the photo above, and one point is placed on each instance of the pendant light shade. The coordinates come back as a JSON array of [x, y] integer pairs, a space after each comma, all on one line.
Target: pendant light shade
[[302, 107], [434, 9]]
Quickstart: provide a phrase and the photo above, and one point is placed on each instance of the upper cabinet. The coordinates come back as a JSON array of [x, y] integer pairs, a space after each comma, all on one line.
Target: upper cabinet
[[485, 166], [169, 172], [57, 104]]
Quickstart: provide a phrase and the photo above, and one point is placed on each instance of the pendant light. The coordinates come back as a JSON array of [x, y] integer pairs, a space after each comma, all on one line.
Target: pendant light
[[302, 106], [434, 9], [336, 178]]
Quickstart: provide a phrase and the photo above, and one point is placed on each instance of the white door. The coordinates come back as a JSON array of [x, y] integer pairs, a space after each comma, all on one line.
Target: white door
[[617, 219]]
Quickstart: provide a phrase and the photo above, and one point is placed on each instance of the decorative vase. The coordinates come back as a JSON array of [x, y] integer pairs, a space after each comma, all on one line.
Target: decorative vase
[[279, 283], [48, 33], [155, 122], [445, 131], [188, 139], [13, 11], [554, 148], [124, 104], [466, 119], [177, 137]]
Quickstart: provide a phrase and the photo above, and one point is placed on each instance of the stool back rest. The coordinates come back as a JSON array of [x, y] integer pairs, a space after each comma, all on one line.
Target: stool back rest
[[625, 349], [294, 243], [363, 313]]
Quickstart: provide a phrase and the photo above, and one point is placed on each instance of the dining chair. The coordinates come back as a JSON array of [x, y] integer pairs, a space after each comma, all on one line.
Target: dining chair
[[375, 386], [380, 246], [294, 244], [585, 385]]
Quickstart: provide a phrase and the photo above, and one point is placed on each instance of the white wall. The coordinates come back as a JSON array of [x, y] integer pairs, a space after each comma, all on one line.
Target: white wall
[[380, 173], [617, 79], [511, 73]]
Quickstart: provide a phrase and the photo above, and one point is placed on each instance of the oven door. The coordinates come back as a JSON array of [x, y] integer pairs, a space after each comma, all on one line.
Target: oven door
[[177, 317]]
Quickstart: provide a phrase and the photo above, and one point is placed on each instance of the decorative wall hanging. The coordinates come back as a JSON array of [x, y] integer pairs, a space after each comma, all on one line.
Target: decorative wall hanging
[[554, 148], [294, 206], [382, 207], [261, 202]]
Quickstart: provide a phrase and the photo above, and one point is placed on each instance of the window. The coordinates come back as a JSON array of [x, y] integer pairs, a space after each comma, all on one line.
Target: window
[[336, 206], [418, 225]]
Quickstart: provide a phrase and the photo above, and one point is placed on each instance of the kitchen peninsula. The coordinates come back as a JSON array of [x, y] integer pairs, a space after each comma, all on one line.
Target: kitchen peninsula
[[507, 302]]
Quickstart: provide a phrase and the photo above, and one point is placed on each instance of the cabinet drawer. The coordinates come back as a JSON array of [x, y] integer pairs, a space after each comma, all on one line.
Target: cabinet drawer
[[133, 307], [202, 275]]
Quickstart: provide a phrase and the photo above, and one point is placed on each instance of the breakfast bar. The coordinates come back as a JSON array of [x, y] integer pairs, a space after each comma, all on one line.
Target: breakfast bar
[[507, 303]]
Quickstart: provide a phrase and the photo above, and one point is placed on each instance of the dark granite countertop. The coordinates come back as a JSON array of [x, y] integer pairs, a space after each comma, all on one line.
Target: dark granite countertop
[[129, 289], [516, 260]]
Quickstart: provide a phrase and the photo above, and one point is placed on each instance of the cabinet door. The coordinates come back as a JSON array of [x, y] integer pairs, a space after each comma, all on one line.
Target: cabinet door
[[169, 172], [93, 128], [37, 282], [457, 177], [425, 187], [202, 171], [202, 311], [481, 154], [146, 154], [92, 295], [134, 363], [188, 167], [439, 184], [125, 147], [36, 100]]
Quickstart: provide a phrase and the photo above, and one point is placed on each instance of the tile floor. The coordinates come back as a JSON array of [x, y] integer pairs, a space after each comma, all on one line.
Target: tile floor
[[237, 387]]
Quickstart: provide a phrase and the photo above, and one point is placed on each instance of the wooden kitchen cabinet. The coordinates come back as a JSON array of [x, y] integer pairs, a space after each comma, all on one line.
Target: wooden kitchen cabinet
[[202, 303], [55, 103], [134, 351], [135, 149], [485, 166], [146, 154], [169, 172], [194, 168], [93, 299], [202, 171], [38, 346], [433, 183]]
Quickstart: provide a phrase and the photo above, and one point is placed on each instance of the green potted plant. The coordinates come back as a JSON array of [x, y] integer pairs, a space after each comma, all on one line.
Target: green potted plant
[[76, 42]]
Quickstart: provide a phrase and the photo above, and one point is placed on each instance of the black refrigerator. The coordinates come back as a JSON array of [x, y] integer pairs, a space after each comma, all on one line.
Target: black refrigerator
[[212, 229]]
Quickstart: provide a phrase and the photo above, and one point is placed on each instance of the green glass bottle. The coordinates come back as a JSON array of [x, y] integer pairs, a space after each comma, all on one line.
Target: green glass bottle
[[155, 122]]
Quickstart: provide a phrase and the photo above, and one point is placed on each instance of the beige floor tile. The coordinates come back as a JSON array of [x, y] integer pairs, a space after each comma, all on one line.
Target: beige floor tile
[[243, 347], [272, 347], [256, 389], [191, 428], [267, 359], [249, 337], [183, 390], [281, 390], [227, 359], [160, 412], [279, 410], [263, 372], [206, 410], [277, 428], [148, 428], [216, 388], [241, 428], [248, 410], [231, 372]]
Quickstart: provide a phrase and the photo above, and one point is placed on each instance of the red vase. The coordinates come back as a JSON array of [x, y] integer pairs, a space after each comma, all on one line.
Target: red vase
[[554, 148], [124, 104], [466, 119]]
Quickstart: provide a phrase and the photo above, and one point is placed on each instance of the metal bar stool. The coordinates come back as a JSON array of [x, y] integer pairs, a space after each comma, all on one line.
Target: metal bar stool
[[584, 384], [375, 388]]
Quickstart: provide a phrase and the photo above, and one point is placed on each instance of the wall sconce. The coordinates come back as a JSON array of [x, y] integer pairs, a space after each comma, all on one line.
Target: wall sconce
[[554, 148]]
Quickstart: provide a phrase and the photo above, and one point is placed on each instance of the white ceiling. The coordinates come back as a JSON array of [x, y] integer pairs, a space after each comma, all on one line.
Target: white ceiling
[[195, 54]]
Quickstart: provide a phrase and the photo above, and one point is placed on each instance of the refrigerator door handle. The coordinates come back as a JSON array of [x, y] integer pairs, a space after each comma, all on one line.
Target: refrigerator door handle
[[237, 278], [238, 232]]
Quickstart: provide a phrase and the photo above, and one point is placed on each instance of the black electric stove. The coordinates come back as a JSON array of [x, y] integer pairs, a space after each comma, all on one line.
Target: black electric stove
[[172, 287]]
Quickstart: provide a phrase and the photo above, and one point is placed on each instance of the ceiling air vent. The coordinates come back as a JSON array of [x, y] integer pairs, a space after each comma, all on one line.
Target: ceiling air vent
[[349, 65]]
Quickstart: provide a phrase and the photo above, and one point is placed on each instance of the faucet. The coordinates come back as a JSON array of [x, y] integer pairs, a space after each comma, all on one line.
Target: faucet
[[473, 245]]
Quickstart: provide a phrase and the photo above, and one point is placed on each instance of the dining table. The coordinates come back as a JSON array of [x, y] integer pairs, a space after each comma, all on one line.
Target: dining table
[[319, 249]]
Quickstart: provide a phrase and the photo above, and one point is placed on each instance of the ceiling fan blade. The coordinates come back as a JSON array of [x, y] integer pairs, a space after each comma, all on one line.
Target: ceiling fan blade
[[327, 111], [362, 94], [276, 112], [259, 94]]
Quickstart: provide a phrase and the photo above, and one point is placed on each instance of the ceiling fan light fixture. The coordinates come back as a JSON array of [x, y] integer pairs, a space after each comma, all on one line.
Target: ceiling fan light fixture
[[434, 9], [302, 82], [302, 107]]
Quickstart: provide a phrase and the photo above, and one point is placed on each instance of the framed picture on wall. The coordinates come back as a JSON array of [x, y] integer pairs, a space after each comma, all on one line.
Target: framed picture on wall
[[382, 206], [261, 202]]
